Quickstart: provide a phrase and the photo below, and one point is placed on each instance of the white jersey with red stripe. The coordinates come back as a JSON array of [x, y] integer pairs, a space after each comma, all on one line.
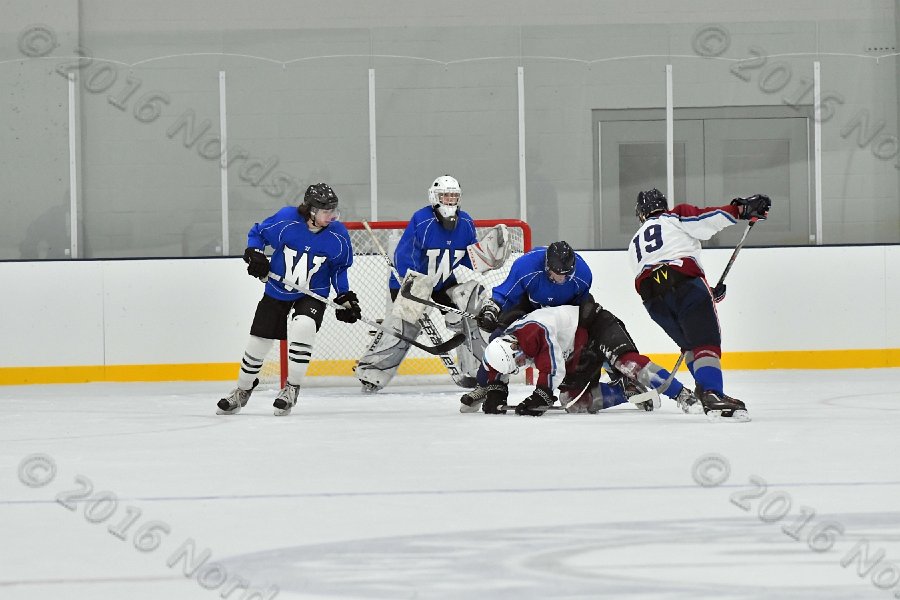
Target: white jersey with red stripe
[[673, 238], [547, 337]]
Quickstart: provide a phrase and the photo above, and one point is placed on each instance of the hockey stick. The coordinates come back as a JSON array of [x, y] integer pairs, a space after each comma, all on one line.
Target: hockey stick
[[734, 254], [442, 348], [426, 323], [406, 292]]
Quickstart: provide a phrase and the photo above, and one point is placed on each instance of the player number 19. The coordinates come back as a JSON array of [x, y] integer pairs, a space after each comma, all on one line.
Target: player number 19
[[653, 237]]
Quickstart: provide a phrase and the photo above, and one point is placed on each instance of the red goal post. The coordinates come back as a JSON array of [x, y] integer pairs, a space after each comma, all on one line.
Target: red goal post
[[338, 345]]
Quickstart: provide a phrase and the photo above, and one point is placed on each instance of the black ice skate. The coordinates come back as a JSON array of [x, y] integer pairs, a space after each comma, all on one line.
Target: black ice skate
[[471, 401], [235, 401], [719, 407]]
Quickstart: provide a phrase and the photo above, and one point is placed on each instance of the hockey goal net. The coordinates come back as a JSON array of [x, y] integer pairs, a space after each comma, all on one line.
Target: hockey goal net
[[338, 345]]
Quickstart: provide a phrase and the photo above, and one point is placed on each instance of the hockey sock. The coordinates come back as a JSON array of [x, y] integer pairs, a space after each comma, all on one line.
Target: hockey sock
[[611, 395], [708, 368], [301, 334], [648, 374], [254, 355]]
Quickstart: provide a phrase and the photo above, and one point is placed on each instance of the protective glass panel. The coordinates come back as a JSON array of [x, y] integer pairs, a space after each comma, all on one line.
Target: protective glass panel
[[447, 104], [34, 153]]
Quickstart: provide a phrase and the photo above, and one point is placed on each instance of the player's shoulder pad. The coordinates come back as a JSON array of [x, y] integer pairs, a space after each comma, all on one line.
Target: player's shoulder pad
[[464, 216], [287, 213], [338, 228]]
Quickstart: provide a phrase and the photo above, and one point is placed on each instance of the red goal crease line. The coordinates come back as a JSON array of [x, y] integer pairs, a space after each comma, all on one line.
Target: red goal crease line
[[760, 360]]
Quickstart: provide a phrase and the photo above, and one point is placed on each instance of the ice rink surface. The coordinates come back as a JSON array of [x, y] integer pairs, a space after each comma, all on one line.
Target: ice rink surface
[[139, 491]]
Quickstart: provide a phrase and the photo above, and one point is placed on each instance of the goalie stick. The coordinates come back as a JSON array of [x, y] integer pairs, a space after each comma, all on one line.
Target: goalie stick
[[406, 292], [426, 323], [442, 348]]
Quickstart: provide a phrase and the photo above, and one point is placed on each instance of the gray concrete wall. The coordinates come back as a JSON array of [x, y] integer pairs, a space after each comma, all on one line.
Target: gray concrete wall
[[446, 101]]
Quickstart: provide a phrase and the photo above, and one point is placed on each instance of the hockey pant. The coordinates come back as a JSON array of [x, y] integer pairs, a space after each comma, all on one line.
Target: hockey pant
[[688, 315]]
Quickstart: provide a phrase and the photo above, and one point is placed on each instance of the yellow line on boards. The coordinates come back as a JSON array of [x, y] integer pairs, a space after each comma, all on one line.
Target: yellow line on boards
[[779, 359]]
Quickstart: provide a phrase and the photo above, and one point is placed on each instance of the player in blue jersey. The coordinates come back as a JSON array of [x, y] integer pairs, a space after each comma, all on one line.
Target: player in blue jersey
[[439, 238], [312, 249], [554, 275]]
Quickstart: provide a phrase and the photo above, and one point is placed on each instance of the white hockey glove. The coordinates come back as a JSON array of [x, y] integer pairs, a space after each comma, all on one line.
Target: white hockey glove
[[491, 251]]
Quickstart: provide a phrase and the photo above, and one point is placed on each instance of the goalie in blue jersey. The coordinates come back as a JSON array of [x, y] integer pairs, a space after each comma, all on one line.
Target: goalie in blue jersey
[[439, 238], [311, 249]]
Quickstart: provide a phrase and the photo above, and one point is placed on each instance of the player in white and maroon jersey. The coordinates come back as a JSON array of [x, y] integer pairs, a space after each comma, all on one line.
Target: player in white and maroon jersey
[[569, 345], [664, 255]]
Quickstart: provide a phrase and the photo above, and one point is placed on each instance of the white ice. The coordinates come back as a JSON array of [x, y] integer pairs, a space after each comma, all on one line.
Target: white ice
[[400, 496]]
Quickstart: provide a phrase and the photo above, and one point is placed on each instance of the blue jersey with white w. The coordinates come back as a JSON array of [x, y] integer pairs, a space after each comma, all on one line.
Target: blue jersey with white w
[[316, 261], [528, 279], [426, 247]]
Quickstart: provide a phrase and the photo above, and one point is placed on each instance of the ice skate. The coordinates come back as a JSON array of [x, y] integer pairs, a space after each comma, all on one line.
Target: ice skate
[[643, 399], [235, 401], [286, 400], [719, 407], [369, 388], [688, 402], [472, 401]]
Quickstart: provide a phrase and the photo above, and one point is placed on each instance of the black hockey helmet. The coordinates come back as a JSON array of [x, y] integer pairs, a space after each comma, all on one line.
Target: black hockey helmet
[[320, 196], [650, 202], [560, 259]]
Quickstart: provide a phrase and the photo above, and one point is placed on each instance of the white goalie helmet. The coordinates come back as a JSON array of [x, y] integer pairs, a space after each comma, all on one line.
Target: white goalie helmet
[[503, 355], [444, 195]]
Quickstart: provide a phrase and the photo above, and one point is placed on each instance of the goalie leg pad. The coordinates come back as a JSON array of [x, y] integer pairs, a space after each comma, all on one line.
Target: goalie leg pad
[[467, 296], [301, 335], [379, 365], [422, 286]]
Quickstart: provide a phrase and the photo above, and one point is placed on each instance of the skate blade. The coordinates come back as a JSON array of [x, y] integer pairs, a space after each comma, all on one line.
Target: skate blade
[[738, 416], [282, 412], [695, 409], [465, 408]]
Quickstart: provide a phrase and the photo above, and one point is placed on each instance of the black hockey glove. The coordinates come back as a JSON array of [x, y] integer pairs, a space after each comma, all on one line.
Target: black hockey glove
[[351, 312], [497, 393], [534, 405], [257, 263], [753, 207], [718, 293], [488, 316]]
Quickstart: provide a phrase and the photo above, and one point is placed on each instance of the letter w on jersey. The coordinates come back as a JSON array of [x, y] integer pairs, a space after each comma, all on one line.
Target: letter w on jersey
[[439, 262], [298, 271]]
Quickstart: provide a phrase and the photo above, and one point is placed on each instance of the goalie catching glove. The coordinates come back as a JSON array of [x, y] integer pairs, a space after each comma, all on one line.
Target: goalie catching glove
[[351, 312], [535, 404], [257, 263], [491, 251]]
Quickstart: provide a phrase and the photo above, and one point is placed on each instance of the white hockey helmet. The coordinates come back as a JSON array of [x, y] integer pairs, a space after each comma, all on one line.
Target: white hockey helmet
[[444, 195], [503, 355]]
